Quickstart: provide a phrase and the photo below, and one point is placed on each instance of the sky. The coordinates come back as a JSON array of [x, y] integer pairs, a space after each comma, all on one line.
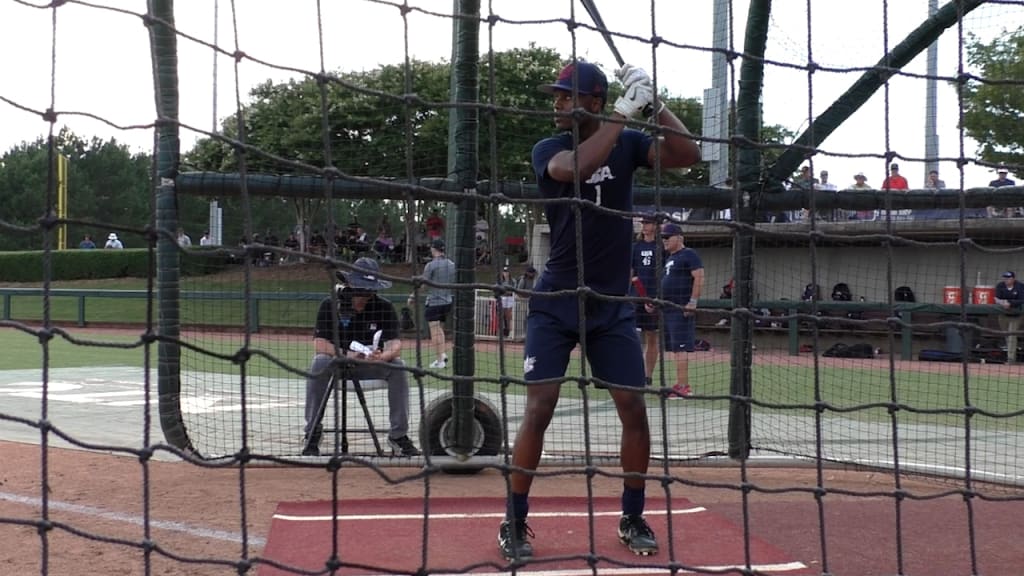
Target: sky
[[103, 68]]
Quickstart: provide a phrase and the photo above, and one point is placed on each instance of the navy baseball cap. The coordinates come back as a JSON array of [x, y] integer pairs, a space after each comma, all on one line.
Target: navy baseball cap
[[1009, 274], [592, 81], [671, 230], [438, 245]]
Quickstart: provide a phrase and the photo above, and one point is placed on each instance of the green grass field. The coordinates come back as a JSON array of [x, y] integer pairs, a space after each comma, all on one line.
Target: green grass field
[[777, 384]]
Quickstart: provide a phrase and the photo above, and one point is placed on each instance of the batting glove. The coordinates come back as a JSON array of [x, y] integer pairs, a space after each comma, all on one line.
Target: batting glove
[[636, 98], [630, 75]]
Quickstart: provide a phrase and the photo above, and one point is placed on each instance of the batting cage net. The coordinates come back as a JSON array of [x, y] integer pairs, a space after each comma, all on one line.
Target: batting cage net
[[852, 229]]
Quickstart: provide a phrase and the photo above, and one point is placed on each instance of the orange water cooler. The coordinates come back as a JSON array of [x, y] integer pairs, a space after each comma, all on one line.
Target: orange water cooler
[[951, 295], [983, 295]]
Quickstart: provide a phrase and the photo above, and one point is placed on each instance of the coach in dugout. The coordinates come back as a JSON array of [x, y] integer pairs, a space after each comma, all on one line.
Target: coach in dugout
[[368, 330]]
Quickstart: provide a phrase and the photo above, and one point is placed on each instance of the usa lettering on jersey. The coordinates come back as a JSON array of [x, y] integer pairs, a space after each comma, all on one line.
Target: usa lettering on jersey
[[600, 175]]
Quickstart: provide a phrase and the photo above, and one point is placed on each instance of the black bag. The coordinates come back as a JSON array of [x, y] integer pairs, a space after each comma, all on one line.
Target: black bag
[[904, 294], [841, 292], [859, 350], [407, 322], [939, 356]]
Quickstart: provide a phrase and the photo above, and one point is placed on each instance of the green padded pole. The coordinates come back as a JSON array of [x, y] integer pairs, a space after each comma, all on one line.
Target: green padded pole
[[164, 53]]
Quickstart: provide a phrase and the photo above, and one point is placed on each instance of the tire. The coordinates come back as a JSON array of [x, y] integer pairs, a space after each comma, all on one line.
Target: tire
[[436, 430]]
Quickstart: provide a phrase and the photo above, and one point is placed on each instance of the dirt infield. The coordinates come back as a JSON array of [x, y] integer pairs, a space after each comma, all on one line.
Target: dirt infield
[[196, 513]]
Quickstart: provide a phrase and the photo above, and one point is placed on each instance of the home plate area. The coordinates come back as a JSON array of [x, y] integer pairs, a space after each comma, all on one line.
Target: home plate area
[[378, 537]]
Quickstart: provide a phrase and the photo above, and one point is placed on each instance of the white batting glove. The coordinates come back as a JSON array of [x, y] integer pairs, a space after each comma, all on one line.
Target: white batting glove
[[630, 75], [636, 98]]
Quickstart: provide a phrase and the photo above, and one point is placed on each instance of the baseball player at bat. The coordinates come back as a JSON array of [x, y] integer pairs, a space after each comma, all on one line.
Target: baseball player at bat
[[603, 158]]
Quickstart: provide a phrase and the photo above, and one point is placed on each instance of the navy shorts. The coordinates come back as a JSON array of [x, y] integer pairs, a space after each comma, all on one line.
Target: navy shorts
[[552, 332], [680, 330], [646, 321], [437, 313]]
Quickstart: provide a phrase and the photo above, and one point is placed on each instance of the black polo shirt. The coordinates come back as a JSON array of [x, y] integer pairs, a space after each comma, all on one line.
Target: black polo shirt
[[379, 314]]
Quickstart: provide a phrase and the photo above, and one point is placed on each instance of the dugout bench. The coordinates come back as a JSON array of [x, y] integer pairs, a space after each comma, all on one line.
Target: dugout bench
[[871, 319]]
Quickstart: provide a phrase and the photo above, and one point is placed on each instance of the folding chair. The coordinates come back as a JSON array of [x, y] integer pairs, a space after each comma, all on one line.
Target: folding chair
[[344, 374]]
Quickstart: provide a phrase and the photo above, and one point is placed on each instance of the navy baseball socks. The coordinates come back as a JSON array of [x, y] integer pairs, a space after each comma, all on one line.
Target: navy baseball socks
[[514, 533], [634, 532]]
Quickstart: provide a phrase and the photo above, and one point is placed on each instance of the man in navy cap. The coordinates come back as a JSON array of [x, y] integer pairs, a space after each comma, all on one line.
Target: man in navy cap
[[367, 329], [1010, 296], [596, 155], [681, 285]]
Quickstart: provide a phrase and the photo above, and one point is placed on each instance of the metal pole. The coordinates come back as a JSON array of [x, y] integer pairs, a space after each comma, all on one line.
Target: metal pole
[[716, 99], [931, 134]]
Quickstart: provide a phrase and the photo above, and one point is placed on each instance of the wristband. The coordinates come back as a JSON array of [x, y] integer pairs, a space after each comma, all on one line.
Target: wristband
[[693, 300]]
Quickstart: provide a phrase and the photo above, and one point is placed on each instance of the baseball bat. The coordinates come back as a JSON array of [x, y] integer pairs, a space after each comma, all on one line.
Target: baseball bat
[[591, 9]]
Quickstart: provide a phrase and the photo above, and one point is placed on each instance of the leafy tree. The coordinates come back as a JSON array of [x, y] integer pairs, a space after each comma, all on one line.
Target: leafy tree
[[107, 184], [375, 131], [993, 106]]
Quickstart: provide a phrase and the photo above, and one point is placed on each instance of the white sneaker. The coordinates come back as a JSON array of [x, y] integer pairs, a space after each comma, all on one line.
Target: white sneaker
[[439, 364]]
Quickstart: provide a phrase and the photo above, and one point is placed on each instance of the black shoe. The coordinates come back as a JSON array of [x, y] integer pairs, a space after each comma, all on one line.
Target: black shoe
[[637, 535], [403, 447], [513, 540], [311, 446]]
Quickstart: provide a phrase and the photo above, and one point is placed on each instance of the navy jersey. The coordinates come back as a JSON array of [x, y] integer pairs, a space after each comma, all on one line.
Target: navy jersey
[[379, 314], [643, 264], [677, 283], [608, 244], [1014, 295]]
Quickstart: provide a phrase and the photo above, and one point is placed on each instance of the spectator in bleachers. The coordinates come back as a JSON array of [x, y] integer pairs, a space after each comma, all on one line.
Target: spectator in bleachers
[[895, 181], [860, 182], [823, 183], [113, 243], [271, 238], [933, 182], [206, 240], [183, 239], [481, 228], [291, 243], [435, 226], [384, 245], [999, 182], [804, 179], [87, 243], [359, 242], [317, 243]]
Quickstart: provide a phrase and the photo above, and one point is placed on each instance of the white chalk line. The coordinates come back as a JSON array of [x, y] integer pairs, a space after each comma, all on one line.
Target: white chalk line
[[779, 567], [135, 520], [468, 516]]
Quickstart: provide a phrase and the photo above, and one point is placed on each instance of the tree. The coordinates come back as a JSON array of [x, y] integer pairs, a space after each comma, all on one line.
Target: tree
[[993, 106], [392, 122], [107, 183]]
